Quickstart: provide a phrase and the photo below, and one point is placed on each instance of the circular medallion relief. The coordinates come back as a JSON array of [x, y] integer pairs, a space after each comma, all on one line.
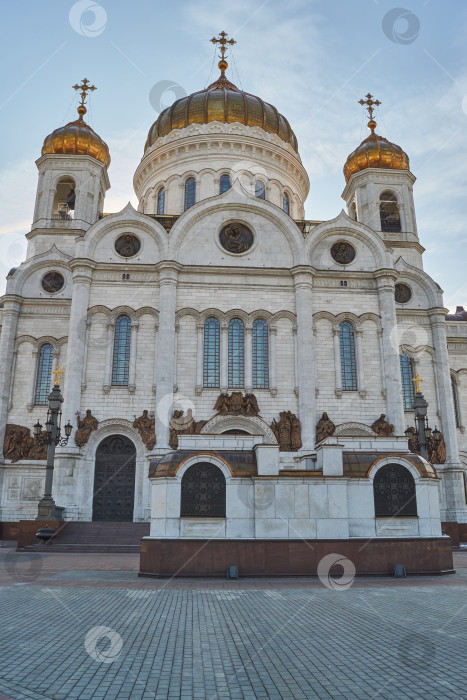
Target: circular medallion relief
[[342, 252], [236, 238], [52, 282], [127, 245], [402, 293]]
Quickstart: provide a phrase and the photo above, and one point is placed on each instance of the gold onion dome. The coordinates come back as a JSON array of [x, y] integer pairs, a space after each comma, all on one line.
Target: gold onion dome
[[222, 101], [77, 138], [375, 151]]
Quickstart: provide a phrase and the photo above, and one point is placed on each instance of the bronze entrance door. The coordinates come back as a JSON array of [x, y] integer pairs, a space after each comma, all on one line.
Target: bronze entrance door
[[114, 480]]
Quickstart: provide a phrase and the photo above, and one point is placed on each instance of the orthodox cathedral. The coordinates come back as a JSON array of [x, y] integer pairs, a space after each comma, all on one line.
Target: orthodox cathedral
[[235, 375]]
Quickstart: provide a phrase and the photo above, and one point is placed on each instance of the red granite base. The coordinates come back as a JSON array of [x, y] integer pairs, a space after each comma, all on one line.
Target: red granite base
[[172, 558]]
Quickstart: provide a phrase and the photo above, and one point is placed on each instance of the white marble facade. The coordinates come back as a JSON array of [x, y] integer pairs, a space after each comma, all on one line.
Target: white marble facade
[[180, 278]]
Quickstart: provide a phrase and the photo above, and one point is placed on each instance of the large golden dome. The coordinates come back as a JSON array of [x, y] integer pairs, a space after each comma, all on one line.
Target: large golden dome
[[77, 138], [376, 152], [223, 102]]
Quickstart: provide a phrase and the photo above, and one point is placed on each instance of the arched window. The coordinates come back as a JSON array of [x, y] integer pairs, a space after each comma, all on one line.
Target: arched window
[[44, 374], [161, 201], [224, 184], [260, 355], [353, 211], [121, 358], [407, 383], [211, 365], [260, 190], [348, 361], [203, 492], [286, 203], [190, 192], [394, 492], [389, 212], [236, 354], [455, 399], [64, 200]]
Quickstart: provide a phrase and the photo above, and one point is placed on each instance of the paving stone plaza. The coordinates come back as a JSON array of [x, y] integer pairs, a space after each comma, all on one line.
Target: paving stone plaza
[[85, 626]]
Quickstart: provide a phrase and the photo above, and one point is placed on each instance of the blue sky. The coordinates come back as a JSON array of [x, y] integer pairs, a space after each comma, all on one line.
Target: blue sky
[[313, 59]]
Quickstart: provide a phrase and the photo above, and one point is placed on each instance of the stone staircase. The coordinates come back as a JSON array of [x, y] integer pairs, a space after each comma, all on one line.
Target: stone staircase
[[118, 538]]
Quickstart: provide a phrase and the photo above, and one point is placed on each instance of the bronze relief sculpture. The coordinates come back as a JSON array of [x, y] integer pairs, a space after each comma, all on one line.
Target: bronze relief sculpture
[[236, 238], [382, 428], [85, 428], [324, 427], [19, 443], [145, 426], [236, 404], [288, 431], [52, 282], [343, 252], [183, 425]]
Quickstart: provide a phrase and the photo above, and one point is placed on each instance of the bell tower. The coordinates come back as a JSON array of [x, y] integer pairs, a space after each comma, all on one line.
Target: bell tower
[[73, 175]]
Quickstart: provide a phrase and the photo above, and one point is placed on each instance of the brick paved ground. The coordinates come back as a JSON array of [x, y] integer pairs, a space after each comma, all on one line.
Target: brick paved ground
[[380, 638]]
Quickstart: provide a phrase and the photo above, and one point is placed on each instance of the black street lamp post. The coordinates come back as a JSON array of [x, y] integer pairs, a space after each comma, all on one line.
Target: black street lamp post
[[47, 510], [424, 435]]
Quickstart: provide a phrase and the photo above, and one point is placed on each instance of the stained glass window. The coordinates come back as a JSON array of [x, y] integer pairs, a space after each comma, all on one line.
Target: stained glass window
[[286, 203], [190, 192], [260, 355], [348, 361], [224, 184], [260, 190], [407, 383], [44, 374], [211, 366], [161, 201], [394, 492], [121, 358], [236, 354]]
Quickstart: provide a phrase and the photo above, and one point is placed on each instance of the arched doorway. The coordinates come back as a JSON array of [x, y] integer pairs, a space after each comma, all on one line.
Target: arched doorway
[[203, 492], [114, 480]]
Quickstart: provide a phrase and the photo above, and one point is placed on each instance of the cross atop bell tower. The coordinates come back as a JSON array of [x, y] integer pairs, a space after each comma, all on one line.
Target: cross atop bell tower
[[370, 103], [223, 41]]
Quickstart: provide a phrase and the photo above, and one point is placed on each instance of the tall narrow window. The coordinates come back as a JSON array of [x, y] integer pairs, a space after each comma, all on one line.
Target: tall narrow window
[[286, 203], [190, 192], [224, 184], [389, 212], [121, 358], [211, 365], [236, 354], [455, 401], [260, 355], [407, 383], [44, 374], [348, 361], [260, 190], [161, 201]]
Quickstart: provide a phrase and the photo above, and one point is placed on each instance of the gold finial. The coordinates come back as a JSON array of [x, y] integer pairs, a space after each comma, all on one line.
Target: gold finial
[[369, 102], [417, 380], [85, 87], [57, 373], [223, 41]]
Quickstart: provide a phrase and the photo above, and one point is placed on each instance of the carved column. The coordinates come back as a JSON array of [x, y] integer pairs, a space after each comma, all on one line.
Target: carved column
[[248, 359], [11, 308], [360, 364], [381, 362], [156, 333], [86, 345], [295, 352], [110, 332], [272, 360], [199, 358], [13, 370], [390, 340], [177, 330], [133, 357], [224, 356], [337, 362], [303, 282], [32, 379], [82, 276], [165, 365]]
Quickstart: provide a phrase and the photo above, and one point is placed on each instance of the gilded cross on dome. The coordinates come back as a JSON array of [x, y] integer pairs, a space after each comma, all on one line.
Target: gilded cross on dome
[[370, 102], [85, 88], [223, 41]]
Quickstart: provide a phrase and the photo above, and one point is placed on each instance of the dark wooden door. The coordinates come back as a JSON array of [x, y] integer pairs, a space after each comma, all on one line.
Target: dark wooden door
[[114, 480]]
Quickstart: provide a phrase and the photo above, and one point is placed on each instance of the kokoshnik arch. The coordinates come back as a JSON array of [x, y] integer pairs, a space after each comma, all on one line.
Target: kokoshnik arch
[[233, 371]]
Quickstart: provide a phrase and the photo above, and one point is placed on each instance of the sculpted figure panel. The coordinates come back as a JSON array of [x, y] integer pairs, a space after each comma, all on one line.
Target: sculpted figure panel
[[85, 428], [145, 426], [19, 444], [324, 427], [288, 431]]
